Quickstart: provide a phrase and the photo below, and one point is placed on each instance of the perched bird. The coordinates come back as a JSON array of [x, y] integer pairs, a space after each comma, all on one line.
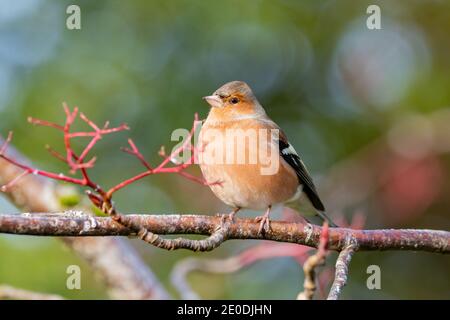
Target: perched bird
[[235, 118]]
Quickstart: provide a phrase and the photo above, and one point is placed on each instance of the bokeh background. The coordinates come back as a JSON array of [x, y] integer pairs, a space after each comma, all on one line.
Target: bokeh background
[[368, 110]]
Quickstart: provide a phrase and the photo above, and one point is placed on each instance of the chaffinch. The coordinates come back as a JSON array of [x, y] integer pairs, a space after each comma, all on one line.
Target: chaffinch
[[240, 177]]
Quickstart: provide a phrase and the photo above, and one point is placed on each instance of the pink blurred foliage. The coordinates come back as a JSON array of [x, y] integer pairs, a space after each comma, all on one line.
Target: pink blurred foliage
[[410, 187]]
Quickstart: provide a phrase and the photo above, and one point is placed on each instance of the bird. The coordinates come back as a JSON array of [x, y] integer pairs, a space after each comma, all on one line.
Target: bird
[[235, 118]]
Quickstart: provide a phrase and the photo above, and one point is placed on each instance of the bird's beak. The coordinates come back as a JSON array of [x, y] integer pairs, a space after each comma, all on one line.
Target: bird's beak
[[214, 101]]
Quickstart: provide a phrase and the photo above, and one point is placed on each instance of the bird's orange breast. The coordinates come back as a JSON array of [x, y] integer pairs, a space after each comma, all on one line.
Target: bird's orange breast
[[238, 172]]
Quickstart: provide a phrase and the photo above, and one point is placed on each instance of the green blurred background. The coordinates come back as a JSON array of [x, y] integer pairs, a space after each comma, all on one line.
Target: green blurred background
[[368, 110]]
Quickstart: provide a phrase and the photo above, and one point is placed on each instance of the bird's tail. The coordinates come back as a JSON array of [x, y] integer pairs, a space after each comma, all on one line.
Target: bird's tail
[[325, 217]]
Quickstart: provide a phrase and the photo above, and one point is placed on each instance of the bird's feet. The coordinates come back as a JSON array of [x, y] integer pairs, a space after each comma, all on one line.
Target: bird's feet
[[264, 222]]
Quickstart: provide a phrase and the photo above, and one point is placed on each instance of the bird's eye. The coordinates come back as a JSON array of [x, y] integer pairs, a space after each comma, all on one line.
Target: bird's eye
[[234, 100]]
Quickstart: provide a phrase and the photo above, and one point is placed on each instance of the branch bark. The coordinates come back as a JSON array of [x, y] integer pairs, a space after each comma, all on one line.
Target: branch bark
[[81, 225], [11, 293], [130, 278], [340, 279]]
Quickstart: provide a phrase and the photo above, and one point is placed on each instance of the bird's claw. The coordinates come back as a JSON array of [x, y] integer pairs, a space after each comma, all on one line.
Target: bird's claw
[[227, 216], [264, 224]]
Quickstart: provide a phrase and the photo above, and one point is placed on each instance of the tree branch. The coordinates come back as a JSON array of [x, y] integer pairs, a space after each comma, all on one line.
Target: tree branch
[[77, 224], [340, 279], [11, 293]]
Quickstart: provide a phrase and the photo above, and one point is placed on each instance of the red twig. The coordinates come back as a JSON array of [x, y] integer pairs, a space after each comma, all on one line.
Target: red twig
[[5, 144], [135, 152], [78, 163], [55, 153], [44, 123], [162, 167], [127, 182]]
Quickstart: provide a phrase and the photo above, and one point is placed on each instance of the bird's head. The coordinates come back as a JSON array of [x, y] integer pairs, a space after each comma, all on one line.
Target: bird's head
[[234, 99]]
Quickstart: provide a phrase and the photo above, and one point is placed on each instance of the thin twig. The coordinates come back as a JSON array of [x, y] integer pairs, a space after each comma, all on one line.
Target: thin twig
[[208, 244], [12, 293], [309, 267], [102, 198], [62, 224]]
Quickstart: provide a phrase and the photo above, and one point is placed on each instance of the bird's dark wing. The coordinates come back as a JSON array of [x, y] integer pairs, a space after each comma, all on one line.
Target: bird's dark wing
[[289, 154]]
